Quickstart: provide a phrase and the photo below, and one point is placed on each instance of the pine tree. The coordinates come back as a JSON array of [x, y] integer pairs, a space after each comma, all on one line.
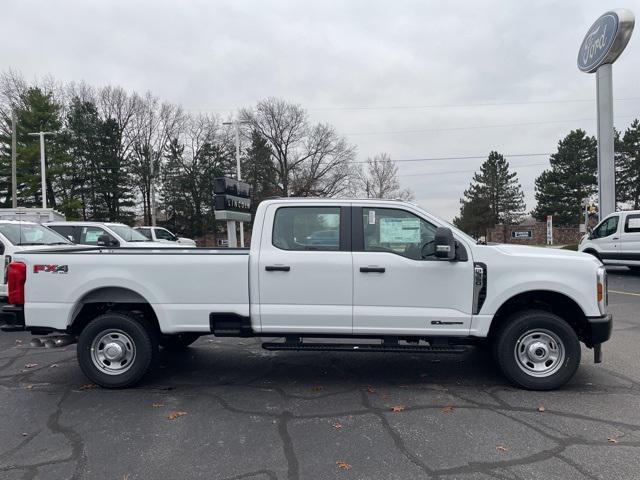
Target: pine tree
[[572, 177], [628, 181], [494, 196], [258, 170]]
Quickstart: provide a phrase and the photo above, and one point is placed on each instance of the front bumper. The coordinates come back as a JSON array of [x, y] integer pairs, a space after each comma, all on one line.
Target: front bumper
[[599, 329], [12, 318]]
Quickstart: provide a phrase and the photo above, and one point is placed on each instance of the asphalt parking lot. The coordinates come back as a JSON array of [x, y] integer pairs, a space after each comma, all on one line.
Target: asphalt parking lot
[[226, 409]]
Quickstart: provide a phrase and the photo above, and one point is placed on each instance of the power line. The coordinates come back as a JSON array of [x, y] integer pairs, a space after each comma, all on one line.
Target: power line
[[472, 127], [467, 171], [428, 106], [470, 157]]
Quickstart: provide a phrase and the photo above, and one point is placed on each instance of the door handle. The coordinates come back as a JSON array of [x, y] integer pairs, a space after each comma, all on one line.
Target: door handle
[[372, 269], [277, 268], [615, 238]]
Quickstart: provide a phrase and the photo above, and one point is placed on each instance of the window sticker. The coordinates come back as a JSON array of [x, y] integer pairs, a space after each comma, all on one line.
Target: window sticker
[[399, 230], [372, 217], [633, 222]]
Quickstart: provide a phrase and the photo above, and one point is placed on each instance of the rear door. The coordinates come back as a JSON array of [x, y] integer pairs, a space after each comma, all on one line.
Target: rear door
[[399, 286], [305, 277], [630, 243]]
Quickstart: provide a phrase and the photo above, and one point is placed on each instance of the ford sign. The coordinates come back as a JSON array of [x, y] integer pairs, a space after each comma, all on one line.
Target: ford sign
[[605, 40]]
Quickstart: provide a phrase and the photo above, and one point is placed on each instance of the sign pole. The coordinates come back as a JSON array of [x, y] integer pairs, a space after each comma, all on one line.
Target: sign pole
[[606, 166]]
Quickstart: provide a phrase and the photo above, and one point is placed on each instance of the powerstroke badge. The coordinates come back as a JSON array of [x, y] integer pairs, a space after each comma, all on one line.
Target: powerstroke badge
[[51, 268]]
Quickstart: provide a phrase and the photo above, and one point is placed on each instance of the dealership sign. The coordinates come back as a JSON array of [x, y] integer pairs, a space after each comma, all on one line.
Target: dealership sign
[[605, 40], [521, 234]]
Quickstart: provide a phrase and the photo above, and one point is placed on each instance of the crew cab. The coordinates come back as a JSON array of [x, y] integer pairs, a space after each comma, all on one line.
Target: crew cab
[[160, 234], [615, 240], [104, 234], [18, 236], [392, 279]]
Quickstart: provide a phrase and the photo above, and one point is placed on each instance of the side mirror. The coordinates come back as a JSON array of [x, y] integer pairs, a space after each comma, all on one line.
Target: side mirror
[[445, 244], [104, 240]]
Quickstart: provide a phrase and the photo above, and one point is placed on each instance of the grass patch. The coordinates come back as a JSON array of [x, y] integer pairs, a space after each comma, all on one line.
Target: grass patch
[[573, 246]]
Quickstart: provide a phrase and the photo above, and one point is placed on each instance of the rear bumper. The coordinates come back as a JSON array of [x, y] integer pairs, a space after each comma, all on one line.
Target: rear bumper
[[599, 329], [12, 318]]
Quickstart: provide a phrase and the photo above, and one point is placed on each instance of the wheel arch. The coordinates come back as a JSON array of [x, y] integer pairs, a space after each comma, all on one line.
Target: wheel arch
[[111, 299], [555, 302]]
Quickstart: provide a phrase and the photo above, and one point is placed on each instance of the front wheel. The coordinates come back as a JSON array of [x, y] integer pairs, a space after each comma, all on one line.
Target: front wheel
[[537, 350], [115, 350]]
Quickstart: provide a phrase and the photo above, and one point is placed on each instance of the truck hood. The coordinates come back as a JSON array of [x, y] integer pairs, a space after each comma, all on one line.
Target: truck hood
[[540, 252]]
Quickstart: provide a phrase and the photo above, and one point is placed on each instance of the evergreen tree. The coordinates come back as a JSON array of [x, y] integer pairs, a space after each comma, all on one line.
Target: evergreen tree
[[258, 170], [494, 196], [628, 184], [572, 177]]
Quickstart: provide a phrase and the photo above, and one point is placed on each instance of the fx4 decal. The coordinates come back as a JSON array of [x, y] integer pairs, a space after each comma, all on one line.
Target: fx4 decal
[[51, 268]]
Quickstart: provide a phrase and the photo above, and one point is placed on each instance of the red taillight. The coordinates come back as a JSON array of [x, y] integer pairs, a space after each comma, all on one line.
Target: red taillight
[[16, 278]]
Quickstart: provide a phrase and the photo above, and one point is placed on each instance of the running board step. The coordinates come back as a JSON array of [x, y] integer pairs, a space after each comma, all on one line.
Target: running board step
[[345, 347]]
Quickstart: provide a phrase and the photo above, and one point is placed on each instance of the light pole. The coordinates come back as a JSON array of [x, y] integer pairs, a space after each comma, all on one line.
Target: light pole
[[42, 164], [231, 224]]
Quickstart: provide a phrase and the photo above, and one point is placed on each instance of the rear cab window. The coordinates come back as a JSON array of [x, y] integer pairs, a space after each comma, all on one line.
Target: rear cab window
[[307, 228]]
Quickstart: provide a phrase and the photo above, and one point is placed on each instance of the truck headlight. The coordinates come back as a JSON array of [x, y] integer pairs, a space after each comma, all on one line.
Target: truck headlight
[[602, 290]]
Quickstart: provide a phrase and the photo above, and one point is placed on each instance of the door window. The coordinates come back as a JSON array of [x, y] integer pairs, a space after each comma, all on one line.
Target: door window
[[66, 231], [632, 224], [146, 232], [607, 227], [90, 235], [307, 228], [399, 232], [163, 234]]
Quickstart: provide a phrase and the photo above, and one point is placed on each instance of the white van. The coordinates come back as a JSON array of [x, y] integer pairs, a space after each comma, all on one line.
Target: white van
[[17, 236], [615, 240], [160, 234], [103, 234]]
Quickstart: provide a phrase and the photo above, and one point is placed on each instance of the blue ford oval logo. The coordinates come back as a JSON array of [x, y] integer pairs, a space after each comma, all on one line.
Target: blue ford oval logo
[[597, 43]]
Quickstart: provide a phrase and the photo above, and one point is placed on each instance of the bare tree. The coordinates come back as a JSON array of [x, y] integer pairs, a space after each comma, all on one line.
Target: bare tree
[[310, 160], [379, 179]]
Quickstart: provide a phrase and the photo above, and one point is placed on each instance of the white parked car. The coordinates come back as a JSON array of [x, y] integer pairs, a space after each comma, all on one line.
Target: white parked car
[[160, 234], [103, 234], [18, 236], [615, 240], [391, 272]]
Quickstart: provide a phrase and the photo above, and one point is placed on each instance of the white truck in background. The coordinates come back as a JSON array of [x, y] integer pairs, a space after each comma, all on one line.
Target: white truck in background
[[161, 234], [392, 278], [615, 240], [104, 234]]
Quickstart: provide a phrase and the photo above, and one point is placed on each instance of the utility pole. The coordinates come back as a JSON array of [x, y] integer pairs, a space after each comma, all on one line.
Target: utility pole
[[14, 154], [42, 164], [231, 224], [152, 193]]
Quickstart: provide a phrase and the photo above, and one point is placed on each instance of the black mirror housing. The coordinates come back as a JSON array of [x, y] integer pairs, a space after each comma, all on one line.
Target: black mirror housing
[[105, 241], [445, 244]]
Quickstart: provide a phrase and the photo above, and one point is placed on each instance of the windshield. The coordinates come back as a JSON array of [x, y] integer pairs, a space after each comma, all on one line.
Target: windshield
[[128, 234], [31, 234]]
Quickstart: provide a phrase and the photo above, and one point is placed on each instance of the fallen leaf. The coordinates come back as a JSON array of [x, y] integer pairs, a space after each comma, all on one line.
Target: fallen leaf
[[541, 408], [501, 448], [612, 440], [29, 387], [157, 405], [370, 389], [18, 342], [24, 434], [336, 425], [174, 415], [397, 408], [30, 365], [53, 365], [343, 465], [447, 409], [317, 388], [88, 386]]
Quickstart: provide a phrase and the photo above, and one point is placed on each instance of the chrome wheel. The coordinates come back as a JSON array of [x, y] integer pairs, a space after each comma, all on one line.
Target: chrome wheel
[[113, 352], [539, 353]]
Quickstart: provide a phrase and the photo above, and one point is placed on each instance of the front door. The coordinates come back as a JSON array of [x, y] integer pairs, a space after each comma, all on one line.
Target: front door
[[399, 286], [305, 270], [607, 238]]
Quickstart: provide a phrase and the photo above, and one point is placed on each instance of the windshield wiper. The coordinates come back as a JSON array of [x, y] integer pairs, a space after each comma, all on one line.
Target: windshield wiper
[[59, 243]]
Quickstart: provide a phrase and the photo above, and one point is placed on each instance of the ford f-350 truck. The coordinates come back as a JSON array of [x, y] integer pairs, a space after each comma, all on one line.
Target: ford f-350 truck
[[392, 278]]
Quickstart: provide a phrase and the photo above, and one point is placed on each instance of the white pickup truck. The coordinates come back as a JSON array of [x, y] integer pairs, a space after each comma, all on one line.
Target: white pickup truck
[[393, 278]]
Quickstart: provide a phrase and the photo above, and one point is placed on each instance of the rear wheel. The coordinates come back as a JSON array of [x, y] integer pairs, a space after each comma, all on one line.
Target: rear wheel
[[115, 350], [537, 350], [179, 341]]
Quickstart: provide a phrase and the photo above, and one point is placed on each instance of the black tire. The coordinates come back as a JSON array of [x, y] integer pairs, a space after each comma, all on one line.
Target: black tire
[[125, 334], [179, 341], [519, 331], [594, 253]]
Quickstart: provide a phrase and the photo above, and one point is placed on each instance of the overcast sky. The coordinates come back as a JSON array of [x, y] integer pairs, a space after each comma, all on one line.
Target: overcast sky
[[415, 79]]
